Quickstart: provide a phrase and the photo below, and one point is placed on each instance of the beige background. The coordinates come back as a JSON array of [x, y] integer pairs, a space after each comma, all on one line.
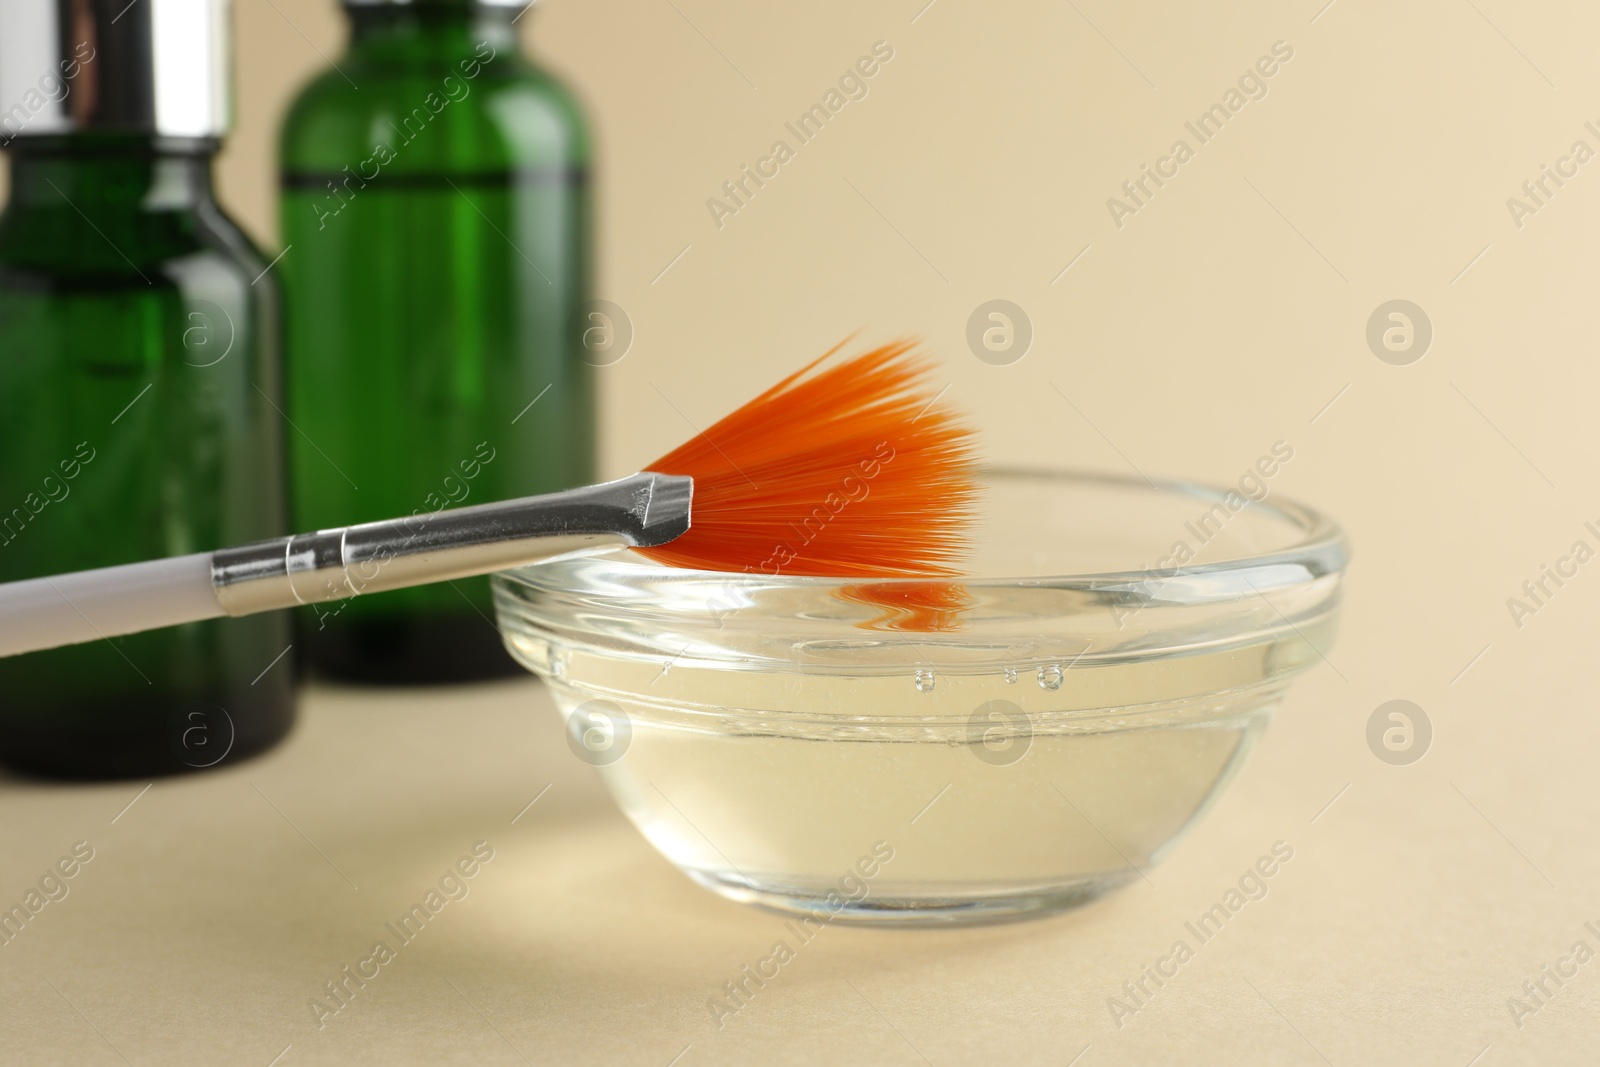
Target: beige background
[[1224, 316]]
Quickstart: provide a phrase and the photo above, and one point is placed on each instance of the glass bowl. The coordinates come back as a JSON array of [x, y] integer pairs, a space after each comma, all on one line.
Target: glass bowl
[[904, 751]]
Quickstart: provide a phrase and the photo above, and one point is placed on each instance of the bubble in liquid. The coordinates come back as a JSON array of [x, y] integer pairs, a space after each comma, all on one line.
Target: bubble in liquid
[[924, 681], [1050, 676], [1011, 676]]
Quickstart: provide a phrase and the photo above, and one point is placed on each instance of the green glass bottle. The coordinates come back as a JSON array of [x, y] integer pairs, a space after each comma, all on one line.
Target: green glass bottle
[[434, 211], [138, 384]]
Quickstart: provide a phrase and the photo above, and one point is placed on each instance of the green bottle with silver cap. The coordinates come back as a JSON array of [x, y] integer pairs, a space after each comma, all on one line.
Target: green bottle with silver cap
[[139, 382], [434, 217]]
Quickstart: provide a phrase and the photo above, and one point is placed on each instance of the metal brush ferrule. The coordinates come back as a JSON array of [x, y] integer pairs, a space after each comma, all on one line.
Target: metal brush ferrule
[[640, 511]]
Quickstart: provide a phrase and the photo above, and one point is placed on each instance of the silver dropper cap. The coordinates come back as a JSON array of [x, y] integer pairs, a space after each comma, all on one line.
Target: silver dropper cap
[[153, 67]]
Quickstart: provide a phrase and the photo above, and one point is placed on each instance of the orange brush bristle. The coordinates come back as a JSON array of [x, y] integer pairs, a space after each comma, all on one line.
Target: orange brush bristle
[[854, 470]]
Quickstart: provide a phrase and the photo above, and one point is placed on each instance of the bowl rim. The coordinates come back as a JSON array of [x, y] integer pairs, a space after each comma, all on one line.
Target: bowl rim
[[1321, 550]]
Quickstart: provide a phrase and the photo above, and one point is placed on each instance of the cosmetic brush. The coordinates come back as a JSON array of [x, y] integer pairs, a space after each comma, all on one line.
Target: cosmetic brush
[[848, 470]]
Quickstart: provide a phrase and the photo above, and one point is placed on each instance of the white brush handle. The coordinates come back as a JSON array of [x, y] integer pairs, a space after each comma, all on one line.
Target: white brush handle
[[108, 602], [642, 510]]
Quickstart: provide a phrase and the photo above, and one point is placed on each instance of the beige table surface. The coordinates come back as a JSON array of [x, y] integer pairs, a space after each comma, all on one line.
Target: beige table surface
[[217, 906]]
